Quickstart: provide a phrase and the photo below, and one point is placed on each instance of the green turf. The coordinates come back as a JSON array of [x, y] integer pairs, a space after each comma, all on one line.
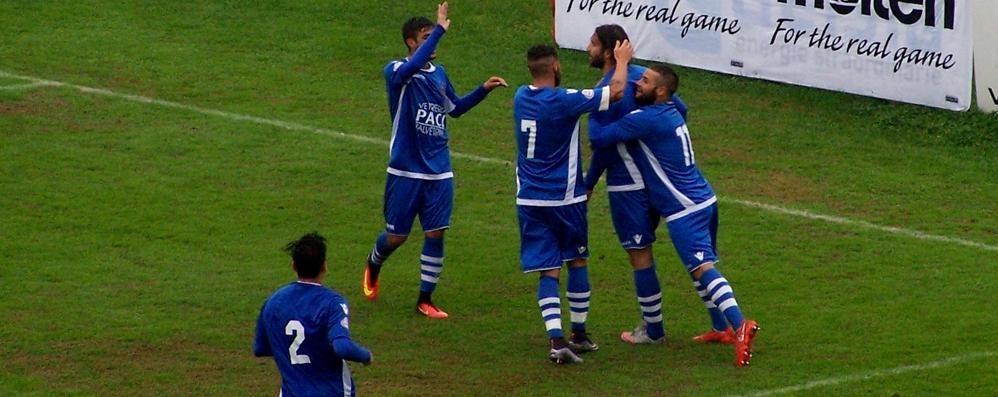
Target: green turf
[[138, 241]]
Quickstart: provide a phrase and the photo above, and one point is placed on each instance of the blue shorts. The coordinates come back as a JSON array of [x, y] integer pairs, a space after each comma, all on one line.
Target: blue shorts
[[407, 197], [695, 237], [633, 219], [550, 236]]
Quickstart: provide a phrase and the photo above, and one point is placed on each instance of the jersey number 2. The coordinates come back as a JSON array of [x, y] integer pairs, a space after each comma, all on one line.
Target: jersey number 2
[[530, 127], [295, 328]]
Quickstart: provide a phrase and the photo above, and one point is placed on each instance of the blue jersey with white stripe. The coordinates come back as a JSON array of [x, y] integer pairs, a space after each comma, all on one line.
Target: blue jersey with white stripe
[[546, 123], [420, 97], [299, 325], [620, 161], [675, 184]]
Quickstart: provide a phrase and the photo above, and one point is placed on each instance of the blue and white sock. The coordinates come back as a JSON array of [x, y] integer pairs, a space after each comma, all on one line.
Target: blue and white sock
[[650, 300], [381, 250], [550, 305], [578, 297], [722, 296], [717, 320], [431, 264]]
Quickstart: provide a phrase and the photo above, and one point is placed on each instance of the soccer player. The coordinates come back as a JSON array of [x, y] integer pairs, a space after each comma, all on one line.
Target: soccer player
[[306, 328], [550, 197], [632, 216], [679, 191], [420, 97]]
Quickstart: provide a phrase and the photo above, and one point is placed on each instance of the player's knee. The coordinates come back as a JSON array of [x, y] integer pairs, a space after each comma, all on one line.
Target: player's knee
[[577, 263], [640, 258], [699, 270], [435, 233], [395, 240]]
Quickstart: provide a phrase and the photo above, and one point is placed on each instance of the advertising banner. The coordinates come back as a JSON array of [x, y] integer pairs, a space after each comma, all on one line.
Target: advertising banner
[[986, 54], [915, 51]]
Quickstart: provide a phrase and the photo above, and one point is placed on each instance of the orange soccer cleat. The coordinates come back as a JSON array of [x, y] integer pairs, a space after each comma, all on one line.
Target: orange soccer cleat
[[430, 310], [370, 289], [743, 342], [726, 337]]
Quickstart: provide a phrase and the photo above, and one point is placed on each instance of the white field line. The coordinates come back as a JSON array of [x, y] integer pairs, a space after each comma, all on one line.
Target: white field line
[[359, 138], [18, 87], [880, 373]]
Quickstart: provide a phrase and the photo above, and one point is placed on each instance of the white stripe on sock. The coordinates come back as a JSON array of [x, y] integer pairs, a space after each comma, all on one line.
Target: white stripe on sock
[[429, 279], [726, 304], [720, 292], [578, 295], [548, 301], [646, 299], [431, 259]]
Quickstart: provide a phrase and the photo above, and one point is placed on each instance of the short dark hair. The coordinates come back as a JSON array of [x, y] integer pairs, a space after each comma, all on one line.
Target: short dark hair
[[412, 27], [308, 254], [669, 79], [608, 36], [540, 59]]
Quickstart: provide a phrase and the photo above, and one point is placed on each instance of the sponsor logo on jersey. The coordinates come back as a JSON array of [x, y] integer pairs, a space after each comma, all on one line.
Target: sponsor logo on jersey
[[431, 119]]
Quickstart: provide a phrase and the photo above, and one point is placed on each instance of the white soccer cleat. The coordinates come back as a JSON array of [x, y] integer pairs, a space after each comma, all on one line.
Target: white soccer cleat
[[564, 355], [640, 336]]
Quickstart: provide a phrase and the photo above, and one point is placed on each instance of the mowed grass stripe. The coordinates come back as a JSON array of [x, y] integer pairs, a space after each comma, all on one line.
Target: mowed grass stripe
[[38, 82]]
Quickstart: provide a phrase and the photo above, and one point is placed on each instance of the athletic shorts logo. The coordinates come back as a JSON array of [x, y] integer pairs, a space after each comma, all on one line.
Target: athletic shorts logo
[[588, 94], [637, 239], [699, 255], [582, 249]]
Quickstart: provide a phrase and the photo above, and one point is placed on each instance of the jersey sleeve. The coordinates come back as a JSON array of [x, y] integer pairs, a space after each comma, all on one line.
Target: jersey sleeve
[[456, 106], [261, 344], [339, 334], [632, 126], [578, 102], [680, 106], [399, 72]]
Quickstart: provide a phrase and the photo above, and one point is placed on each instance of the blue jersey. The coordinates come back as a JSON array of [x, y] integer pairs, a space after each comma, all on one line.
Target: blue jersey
[[620, 161], [548, 164], [305, 326], [420, 97], [675, 185]]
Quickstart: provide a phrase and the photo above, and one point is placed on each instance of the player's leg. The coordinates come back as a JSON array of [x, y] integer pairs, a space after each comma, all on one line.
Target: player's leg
[[438, 198], [399, 211], [539, 253], [693, 236], [649, 294], [635, 222], [720, 332], [572, 231]]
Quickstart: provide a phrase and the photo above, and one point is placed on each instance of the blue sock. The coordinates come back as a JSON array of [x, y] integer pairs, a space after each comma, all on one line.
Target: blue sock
[[381, 250], [578, 297], [431, 264], [550, 304], [650, 300], [722, 296], [717, 320]]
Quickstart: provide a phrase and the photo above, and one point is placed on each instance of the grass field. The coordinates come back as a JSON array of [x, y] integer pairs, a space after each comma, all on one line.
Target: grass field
[[155, 157]]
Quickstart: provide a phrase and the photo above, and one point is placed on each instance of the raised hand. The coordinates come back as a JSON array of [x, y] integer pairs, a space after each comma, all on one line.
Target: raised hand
[[623, 51], [493, 82], [442, 19]]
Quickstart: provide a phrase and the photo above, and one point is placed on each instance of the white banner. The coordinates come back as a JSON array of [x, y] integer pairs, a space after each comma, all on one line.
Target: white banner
[[916, 51], [986, 54]]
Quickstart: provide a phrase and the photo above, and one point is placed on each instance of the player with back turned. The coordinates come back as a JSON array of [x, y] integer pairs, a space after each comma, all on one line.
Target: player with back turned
[[679, 192], [420, 179], [306, 328], [551, 197]]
